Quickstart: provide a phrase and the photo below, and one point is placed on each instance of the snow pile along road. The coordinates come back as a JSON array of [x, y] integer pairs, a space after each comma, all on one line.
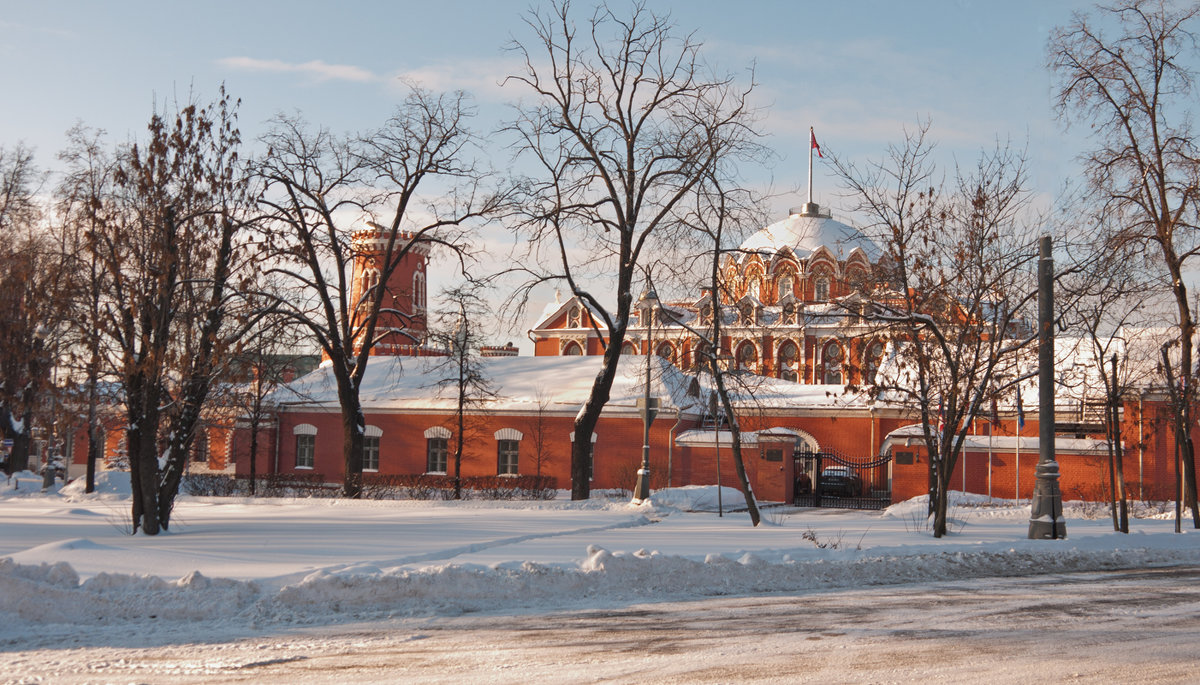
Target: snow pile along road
[[541, 555]]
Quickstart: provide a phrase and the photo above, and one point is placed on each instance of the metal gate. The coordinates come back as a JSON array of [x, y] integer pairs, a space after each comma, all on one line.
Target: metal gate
[[829, 479]]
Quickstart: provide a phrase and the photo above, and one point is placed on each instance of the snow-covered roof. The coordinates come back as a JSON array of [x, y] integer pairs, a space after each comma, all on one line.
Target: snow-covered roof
[[554, 309], [913, 433], [749, 390], [549, 383], [805, 233]]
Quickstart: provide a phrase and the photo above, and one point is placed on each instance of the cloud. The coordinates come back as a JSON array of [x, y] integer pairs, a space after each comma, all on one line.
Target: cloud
[[480, 77], [316, 70]]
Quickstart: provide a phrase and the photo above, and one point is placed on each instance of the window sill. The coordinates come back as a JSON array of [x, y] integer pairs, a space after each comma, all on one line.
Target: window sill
[[304, 468]]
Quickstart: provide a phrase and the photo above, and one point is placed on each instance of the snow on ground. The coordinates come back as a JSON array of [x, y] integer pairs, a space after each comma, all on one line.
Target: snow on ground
[[70, 570]]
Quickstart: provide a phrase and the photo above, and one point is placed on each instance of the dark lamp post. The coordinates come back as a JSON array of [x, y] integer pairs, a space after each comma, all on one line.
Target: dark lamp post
[[1045, 517]]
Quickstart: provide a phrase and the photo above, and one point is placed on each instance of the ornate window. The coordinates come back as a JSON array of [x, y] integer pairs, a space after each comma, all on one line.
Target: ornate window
[[831, 360], [754, 287], [747, 355], [667, 351], [786, 285], [628, 348], [789, 356], [419, 291], [574, 317], [746, 314], [872, 359], [821, 289], [789, 314], [700, 355], [706, 315], [572, 349]]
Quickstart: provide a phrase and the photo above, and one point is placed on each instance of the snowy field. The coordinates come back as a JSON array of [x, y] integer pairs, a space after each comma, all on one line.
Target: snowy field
[[233, 570]]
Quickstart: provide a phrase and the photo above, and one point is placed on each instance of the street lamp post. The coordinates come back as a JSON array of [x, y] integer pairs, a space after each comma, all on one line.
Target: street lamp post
[[1045, 516], [647, 405]]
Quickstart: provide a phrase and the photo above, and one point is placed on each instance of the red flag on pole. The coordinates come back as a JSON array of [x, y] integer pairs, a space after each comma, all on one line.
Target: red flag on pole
[[812, 138]]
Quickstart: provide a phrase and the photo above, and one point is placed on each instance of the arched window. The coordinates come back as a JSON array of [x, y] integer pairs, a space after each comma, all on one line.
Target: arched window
[[821, 289], [700, 355], [831, 361], [872, 359], [786, 285], [747, 355], [706, 315], [667, 351], [572, 349], [789, 357], [628, 348], [574, 318], [754, 287], [419, 291]]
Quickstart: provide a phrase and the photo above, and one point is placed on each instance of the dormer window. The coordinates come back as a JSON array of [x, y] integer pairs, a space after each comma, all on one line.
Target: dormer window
[[789, 314], [706, 315], [747, 314]]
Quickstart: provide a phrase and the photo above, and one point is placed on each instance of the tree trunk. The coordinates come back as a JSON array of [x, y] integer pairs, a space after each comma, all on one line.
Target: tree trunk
[[735, 429], [585, 422], [255, 420], [353, 426]]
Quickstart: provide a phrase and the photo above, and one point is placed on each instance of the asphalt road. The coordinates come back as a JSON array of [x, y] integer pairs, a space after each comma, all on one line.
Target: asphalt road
[[1138, 626]]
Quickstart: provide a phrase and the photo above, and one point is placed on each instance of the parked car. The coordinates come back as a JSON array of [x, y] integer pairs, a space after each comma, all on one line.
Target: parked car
[[840, 481]]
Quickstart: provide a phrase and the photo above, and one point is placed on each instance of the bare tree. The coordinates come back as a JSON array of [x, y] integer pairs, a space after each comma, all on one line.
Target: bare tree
[[955, 285], [318, 188], [89, 178], [463, 371], [22, 310], [264, 360], [1133, 89], [624, 124], [168, 241], [1105, 300]]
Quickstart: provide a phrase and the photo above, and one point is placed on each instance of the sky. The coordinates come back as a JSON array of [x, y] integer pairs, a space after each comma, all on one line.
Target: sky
[[857, 72]]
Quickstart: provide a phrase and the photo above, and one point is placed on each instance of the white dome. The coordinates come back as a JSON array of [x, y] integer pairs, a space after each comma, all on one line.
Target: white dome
[[806, 231]]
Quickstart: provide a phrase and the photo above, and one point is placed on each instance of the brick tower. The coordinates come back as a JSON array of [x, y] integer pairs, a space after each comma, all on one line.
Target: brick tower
[[401, 329]]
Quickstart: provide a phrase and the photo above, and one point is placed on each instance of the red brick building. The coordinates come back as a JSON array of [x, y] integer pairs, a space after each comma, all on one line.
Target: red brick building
[[791, 322]]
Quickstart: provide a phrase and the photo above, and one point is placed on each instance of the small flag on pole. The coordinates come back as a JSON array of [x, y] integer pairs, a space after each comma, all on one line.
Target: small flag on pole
[[812, 139]]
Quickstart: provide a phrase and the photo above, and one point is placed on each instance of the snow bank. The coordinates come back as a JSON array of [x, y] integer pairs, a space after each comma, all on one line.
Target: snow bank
[[324, 562], [52, 594]]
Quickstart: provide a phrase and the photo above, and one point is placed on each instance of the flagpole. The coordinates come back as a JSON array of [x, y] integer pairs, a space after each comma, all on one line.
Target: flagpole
[[812, 136]]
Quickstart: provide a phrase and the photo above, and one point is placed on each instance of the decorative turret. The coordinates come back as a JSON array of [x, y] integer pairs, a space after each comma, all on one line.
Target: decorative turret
[[401, 329]]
